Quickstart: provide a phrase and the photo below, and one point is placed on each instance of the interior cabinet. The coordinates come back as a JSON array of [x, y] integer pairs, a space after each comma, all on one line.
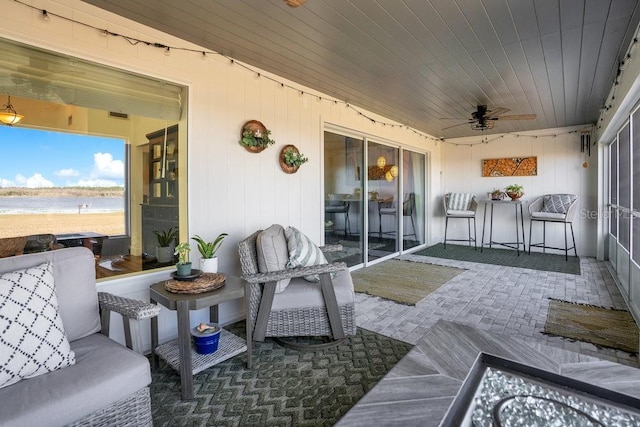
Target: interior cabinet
[[160, 210], [163, 166]]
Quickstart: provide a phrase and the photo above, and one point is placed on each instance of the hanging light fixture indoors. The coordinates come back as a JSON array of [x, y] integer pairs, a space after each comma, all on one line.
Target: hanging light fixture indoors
[[8, 114], [381, 162]]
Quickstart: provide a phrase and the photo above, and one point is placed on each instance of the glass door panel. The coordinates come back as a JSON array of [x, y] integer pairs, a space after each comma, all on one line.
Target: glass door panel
[[343, 198], [382, 181], [413, 188]]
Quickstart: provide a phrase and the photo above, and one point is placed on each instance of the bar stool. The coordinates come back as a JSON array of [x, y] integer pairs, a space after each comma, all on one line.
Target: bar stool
[[558, 208], [460, 205]]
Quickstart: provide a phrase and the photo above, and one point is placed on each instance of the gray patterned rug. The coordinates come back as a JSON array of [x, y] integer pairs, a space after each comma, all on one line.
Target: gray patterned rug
[[284, 388]]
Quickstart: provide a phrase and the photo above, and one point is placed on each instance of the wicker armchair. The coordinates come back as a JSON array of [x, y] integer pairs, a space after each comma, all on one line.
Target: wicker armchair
[[324, 309]]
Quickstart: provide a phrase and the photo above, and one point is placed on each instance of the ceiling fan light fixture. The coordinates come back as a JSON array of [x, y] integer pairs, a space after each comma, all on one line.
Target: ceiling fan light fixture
[[8, 114]]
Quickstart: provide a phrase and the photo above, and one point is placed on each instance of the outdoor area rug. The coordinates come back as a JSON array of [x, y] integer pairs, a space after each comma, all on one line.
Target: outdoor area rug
[[601, 326], [284, 388], [405, 282], [506, 257]]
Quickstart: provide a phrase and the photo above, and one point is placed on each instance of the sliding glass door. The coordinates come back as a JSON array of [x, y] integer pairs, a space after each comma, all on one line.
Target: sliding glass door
[[374, 198], [343, 193], [382, 204]]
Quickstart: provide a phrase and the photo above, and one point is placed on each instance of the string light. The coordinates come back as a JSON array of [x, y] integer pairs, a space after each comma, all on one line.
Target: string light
[[167, 51]]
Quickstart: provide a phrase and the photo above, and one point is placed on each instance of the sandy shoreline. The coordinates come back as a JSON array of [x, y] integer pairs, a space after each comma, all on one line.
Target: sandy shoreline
[[13, 225]]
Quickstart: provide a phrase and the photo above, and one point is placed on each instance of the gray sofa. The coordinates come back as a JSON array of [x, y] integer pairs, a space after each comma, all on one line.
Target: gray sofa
[[107, 385]]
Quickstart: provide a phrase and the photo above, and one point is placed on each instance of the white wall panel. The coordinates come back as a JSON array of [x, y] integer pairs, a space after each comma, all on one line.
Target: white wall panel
[[230, 189], [559, 171]]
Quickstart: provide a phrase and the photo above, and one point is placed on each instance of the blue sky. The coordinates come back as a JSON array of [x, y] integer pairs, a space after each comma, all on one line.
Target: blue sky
[[35, 158]]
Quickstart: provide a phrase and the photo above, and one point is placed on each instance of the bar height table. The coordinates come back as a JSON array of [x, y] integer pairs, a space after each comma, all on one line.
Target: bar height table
[[517, 243]]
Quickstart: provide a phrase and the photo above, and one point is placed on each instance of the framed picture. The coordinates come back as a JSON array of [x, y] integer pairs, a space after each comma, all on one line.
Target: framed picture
[[510, 166]]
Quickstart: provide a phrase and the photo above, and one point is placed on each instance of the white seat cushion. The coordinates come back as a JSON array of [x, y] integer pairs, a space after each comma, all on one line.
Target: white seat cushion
[[301, 294], [464, 214], [548, 216]]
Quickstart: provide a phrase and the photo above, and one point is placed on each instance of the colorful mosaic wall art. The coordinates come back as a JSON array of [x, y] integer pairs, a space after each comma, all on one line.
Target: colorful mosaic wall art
[[510, 166]]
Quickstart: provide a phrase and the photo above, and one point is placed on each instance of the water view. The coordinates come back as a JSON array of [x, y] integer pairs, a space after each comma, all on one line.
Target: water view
[[36, 205]]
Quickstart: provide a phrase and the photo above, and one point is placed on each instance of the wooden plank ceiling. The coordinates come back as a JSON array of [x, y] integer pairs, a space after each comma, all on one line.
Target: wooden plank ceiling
[[424, 63]]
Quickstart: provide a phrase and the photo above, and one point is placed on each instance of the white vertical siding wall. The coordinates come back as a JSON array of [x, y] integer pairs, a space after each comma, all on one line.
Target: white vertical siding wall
[[559, 171], [229, 189]]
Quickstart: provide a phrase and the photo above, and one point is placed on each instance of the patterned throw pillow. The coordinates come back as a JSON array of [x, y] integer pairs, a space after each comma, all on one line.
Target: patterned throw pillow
[[303, 252], [459, 201], [32, 338], [557, 203]]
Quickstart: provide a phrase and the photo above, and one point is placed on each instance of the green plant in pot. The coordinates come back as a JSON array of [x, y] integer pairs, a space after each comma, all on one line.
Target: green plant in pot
[[183, 266], [294, 158], [514, 191], [209, 260], [496, 194], [256, 138], [166, 242]]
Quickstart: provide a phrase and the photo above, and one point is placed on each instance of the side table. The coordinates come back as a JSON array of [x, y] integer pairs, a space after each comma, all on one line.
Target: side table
[[178, 353], [517, 243]]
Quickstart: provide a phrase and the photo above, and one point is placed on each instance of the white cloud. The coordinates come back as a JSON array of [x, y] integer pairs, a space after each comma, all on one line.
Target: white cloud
[[37, 181], [66, 172], [105, 167], [21, 180], [6, 183]]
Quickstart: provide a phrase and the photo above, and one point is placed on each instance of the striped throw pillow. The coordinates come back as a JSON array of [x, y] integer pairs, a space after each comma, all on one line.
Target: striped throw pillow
[[303, 252], [459, 201]]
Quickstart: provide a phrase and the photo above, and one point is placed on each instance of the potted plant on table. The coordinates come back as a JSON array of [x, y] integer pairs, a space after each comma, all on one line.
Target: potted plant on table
[[166, 242], [496, 194], [183, 266], [514, 191], [209, 260]]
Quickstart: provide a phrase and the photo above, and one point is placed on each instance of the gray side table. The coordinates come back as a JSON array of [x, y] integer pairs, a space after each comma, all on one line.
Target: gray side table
[[178, 353]]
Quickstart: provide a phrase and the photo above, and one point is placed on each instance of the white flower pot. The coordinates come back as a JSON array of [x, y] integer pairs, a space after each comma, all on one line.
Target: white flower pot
[[209, 265]]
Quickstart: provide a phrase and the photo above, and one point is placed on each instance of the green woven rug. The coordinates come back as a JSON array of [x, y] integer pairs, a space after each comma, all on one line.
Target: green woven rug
[[601, 326], [284, 388], [405, 282], [506, 257]]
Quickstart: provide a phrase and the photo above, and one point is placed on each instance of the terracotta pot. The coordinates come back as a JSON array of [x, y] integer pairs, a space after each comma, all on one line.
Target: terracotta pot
[[514, 196]]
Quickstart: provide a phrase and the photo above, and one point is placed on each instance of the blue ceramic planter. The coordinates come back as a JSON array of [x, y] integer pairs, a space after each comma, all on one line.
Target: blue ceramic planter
[[206, 342]]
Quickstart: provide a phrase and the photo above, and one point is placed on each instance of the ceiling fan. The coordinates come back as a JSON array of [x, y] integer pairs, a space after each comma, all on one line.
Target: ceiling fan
[[484, 118]]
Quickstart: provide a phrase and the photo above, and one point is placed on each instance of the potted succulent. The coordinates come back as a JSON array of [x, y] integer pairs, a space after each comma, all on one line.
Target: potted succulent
[[209, 260], [291, 159], [514, 191], [255, 136], [183, 266], [496, 194], [166, 241]]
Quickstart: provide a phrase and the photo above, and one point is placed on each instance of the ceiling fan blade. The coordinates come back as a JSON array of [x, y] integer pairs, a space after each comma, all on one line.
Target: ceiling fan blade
[[515, 117], [497, 111], [459, 124], [452, 118]]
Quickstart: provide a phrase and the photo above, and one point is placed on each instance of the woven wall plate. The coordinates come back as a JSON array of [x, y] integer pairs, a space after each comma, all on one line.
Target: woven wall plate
[[253, 126], [285, 167], [205, 283]]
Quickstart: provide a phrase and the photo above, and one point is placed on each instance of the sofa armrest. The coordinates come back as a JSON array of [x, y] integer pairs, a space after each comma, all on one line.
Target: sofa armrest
[[127, 307], [291, 273]]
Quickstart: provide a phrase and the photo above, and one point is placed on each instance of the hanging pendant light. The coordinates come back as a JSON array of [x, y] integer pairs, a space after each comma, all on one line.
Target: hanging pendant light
[[381, 162], [8, 114], [394, 171]]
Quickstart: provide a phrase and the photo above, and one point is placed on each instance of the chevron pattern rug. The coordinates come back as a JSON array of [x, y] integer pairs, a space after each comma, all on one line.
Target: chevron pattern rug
[[284, 388]]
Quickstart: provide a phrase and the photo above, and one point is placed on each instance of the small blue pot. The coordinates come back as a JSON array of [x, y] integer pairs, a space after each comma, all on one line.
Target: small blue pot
[[206, 342]]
